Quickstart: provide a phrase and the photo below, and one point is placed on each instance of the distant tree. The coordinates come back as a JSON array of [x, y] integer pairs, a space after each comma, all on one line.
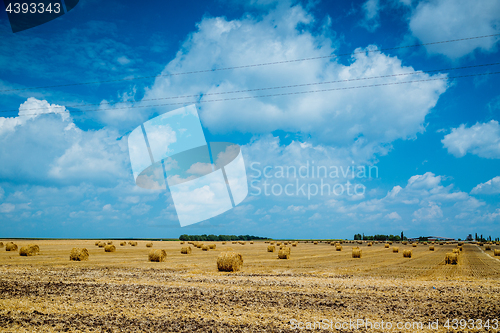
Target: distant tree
[[402, 236], [469, 238], [476, 239]]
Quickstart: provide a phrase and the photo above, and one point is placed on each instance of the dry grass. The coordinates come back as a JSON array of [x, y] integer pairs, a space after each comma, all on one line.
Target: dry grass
[[431, 248], [10, 247], [149, 244], [395, 249], [271, 248], [109, 248], [157, 255], [186, 250], [284, 253], [77, 254], [451, 259], [356, 252], [229, 262], [29, 250], [407, 253]]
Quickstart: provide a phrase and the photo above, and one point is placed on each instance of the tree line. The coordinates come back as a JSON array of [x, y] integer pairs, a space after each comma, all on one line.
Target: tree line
[[219, 238]]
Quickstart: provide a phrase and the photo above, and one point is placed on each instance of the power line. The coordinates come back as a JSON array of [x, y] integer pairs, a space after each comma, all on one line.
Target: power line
[[253, 65], [262, 89], [271, 95]]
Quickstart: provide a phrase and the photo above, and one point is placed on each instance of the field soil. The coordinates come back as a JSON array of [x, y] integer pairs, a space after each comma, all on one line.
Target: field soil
[[122, 292]]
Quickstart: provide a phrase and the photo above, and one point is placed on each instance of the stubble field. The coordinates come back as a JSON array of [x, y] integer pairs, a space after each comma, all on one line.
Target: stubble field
[[122, 292]]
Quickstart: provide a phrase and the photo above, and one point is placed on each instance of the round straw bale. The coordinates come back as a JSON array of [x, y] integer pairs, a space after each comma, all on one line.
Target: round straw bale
[[414, 244], [272, 243], [497, 253], [395, 249], [205, 247], [157, 255], [294, 244], [284, 253], [461, 248], [315, 243], [404, 242], [29, 250], [451, 259], [133, 243], [390, 243], [77, 254], [369, 244], [487, 247], [186, 250], [234, 242], [386, 246], [110, 242], [431, 248], [251, 242], [150, 244], [338, 247], [356, 252], [123, 243], [102, 244], [229, 261], [223, 243], [212, 246], [109, 248], [97, 243], [457, 251], [10, 247], [1, 245], [182, 243], [407, 253], [271, 248], [278, 243]]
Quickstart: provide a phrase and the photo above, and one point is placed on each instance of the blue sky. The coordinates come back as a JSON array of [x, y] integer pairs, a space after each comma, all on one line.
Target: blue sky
[[65, 169]]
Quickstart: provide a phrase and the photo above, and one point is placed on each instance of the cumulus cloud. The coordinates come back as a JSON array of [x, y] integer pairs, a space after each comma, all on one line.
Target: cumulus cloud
[[481, 139], [43, 145], [441, 20], [368, 116], [393, 216], [492, 186]]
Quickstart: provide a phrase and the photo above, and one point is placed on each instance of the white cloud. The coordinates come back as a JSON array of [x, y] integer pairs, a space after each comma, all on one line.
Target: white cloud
[[41, 147], [441, 20], [393, 216], [431, 212], [371, 10], [123, 60], [492, 186], [368, 116], [482, 139], [7, 208]]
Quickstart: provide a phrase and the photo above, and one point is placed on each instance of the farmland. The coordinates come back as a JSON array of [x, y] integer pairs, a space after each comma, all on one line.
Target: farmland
[[123, 291]]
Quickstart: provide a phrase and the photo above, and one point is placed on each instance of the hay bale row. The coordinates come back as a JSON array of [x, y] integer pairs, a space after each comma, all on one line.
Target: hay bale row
[[407, 254], [10, 247], [29, 250], [110, 248], [157, 255], [186, 250], [229, 262], [356, 252], [451, 259], [271, 248], [77, 254]]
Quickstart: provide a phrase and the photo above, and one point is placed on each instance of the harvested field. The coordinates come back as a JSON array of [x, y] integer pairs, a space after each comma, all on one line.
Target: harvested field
[[123, 291]]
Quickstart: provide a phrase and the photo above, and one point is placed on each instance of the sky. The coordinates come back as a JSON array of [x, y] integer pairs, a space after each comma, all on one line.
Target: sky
[[322, 87]]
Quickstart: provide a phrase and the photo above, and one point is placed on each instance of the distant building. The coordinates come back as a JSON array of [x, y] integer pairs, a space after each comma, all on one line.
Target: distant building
[[433, 238]]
